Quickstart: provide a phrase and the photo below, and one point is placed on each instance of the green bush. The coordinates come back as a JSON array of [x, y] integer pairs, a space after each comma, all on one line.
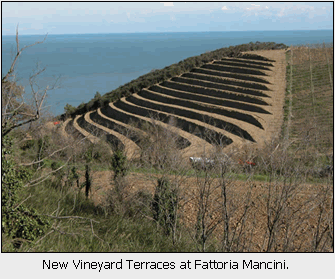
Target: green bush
[[165, 205], [69, 109], [18, 221], [119, 164], [29, 144]]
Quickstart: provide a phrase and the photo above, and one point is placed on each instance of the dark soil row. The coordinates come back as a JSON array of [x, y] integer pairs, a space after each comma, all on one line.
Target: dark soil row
[[187, 104], [71, 130], [228, 75], [129, 119], [224, 125], [69, 127], [226, 81], [249, 62], [221, 68], [113, 140], [211, 137], [124, 117], [114, 126], [255, 57], [241, 64], [220, 86], [213, 92], [208, 100]]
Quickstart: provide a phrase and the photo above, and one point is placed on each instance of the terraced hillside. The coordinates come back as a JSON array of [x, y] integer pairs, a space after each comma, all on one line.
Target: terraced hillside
[[230, 102]]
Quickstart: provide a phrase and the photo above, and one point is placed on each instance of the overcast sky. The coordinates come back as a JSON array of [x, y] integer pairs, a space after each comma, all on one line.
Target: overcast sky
[[114, 17]]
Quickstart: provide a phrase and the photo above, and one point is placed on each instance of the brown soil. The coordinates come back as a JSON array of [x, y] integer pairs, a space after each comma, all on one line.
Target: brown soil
[[132, 150], [86, 134], [237, 191], [277, 86], [127, 127], [197, 147]]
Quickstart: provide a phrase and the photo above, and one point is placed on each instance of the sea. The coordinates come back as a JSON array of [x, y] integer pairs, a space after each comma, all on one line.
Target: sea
[[78, 66]]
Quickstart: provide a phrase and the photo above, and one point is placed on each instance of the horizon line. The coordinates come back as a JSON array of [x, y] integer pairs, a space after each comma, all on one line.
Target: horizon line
[[43, 34]]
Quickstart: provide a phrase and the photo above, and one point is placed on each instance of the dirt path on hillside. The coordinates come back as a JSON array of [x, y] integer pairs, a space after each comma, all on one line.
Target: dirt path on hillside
[[250, 128], [277, 86], [131, 149], [63, 126], [126, 126], [86, 134]]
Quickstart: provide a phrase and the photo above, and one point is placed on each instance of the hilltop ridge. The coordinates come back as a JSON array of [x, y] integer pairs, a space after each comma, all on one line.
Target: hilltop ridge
[[229, 102]]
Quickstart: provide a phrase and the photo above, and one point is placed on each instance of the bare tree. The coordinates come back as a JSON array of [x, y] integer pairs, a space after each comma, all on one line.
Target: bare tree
[[15, 109]]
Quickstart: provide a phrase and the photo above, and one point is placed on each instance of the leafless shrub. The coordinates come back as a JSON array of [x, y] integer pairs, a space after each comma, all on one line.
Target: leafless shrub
[[17, 109], [160, 147]]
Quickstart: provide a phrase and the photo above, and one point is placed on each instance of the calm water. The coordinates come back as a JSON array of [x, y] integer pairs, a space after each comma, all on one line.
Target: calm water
[[88, 63]]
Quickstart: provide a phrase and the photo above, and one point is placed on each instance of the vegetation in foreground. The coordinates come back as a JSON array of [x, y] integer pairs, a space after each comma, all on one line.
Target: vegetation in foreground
[[176, 208], [48, 189]]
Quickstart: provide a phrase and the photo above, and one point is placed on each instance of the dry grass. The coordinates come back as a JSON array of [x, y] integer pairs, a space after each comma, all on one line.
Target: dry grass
[[311, 85]]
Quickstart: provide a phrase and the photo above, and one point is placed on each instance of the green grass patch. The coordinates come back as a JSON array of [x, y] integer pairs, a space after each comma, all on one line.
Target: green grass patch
[[111, 233]]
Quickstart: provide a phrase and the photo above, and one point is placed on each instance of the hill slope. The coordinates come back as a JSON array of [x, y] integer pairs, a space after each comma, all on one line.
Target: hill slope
[[229, 102]]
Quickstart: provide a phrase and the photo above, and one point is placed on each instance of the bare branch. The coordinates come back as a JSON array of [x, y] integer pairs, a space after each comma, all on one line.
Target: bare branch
[[72, 217], [15, 111], [39, 161], [23, 201], [7, 130], [44, 236], [18, 53], [43, 178]]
